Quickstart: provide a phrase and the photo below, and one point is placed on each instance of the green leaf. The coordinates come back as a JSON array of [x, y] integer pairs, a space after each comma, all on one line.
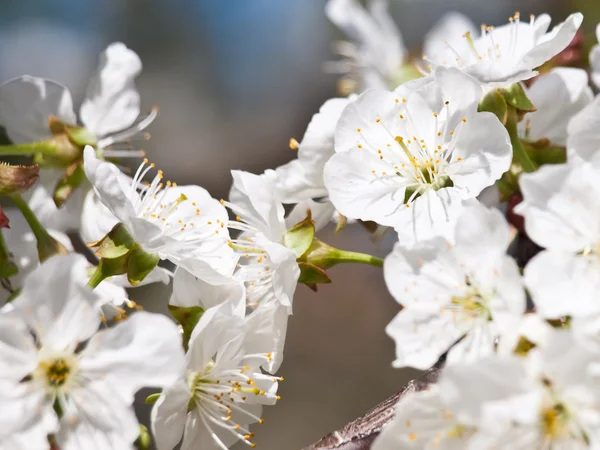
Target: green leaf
[[300, 236], [140, 264], [74, 176], [495, 103], [515, 96], [188, 318], [311, 274]]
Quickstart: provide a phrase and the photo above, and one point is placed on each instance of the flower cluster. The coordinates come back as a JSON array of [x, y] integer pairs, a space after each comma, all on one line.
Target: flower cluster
[[413, 148]]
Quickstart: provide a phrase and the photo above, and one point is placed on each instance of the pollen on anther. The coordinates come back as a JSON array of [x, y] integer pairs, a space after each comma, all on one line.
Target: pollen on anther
[[359, 145], [358, 130], [401, 116], [464, 119], [378, 120], [459, 159]]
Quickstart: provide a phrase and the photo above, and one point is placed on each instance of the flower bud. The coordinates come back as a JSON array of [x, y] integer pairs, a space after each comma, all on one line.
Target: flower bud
[[17, 179]]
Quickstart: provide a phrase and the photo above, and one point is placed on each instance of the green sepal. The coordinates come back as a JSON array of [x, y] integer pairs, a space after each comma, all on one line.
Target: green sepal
[[73, 178], [312, 275], [140, 264], [81, 136], [107, 268], [341, 223], [300, 236], [144, 441], [117, 243], [17, 179], [151, 399], [188, 318], [14, 294], [495, 103], [516, 96], [542, 152]]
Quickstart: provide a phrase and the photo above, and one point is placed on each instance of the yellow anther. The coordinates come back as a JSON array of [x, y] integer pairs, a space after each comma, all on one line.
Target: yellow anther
[[294, 144]]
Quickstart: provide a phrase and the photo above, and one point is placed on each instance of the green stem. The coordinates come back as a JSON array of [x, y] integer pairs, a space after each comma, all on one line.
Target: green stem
[[343, 256], [46, 244], [97, 277], [519, 153], [28, 148]]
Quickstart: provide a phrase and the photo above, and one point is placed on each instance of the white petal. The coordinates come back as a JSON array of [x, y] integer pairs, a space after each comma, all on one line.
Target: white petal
[[595, 59], [27, 102], [569, 89], [96, 419], [109, 184], [321, 213], [96, 219], [448, 31], [112, 102], [563, 284], [258, 196], [189, 290], [57, 304], [145, 350], [198, 435], [18, 354], [169, 415], [25, 410], [584, 131], [486, 152], [266, 331]]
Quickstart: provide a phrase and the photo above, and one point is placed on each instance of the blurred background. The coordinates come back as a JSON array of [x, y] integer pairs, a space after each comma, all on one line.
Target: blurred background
[[235, 80]]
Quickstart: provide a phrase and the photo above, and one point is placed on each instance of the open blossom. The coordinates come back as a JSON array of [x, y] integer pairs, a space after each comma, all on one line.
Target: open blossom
[[267, 268], [223, 388], [53, 359], [562, 214], [182, 224], [564, 86], [470, 290], [595, 59], [422, 422], [507, 54], [409, 158], [376, 58], [109, 112], [547, 400]]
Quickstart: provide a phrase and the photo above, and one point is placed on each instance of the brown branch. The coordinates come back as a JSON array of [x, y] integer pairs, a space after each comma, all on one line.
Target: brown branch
[[360, 433]]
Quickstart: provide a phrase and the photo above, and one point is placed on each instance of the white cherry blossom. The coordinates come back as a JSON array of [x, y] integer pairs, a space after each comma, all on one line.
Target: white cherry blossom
[[564, 86], [507, 54], [584, 132], [52, 356], [561, 207], [223, 389], [468, 294], [182, 224], [409, 158]]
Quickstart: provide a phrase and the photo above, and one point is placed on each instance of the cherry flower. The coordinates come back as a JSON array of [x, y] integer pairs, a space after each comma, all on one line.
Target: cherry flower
[[53, 359], [377, 58], [507, 54], [408, 159], [584, 132], [469, 292], [182, 224], [267, 268], [547, 400], [562, 213], [223, 389], [108, 112], [570, 90]]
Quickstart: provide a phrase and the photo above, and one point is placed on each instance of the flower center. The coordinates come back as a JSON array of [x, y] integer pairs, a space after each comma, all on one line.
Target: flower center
[[56, 372], [554, 420]]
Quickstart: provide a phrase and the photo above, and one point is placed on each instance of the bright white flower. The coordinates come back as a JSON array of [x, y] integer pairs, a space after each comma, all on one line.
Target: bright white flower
[[377, 53], [109, 111], [408, 159], [561, 206], [268, 268], [548, 400], [182, 224], [595, 59], [584, 132], [301, 180], [507, 54], [570, 90], [422, 422], [223, 388], [51, 356], [470, 290]]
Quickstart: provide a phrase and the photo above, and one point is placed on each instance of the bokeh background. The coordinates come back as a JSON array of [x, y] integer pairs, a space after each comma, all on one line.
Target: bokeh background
[[234, 80]]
